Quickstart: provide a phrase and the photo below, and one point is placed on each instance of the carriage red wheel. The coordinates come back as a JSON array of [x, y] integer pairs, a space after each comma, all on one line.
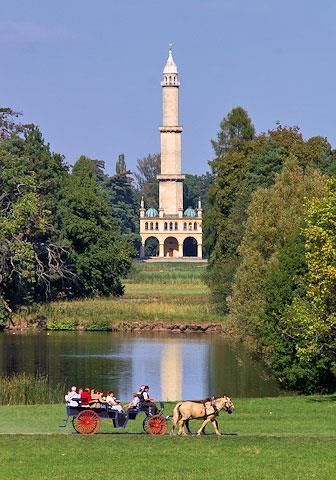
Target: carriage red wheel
[[87, 422], [156, 425]]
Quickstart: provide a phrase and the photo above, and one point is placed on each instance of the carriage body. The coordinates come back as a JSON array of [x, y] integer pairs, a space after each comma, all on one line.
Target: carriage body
[[86, 420]]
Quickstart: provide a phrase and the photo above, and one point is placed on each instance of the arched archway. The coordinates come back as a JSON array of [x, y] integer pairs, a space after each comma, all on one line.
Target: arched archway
[[171, 247], [151, 247], [190, 247]]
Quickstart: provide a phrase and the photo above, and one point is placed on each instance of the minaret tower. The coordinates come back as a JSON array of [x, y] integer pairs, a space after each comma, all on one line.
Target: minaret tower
[[170, 180], [176, 232]]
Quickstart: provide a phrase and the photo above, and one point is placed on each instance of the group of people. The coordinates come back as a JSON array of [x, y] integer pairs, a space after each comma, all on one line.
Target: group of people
[[95, 398]]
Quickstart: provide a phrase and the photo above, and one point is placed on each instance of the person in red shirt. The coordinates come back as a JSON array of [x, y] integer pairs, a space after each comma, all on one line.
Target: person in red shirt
[[85, 395]]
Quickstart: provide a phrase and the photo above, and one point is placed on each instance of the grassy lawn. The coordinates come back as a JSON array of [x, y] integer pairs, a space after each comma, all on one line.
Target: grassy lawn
[[154, 292], [269, 438]]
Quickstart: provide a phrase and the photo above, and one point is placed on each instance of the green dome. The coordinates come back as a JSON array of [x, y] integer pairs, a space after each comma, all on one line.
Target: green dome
[[189, 212], [152, 212]]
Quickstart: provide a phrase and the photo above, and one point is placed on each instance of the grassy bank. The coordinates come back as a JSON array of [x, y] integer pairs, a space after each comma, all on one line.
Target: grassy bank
[[270, 438], [154, 292]]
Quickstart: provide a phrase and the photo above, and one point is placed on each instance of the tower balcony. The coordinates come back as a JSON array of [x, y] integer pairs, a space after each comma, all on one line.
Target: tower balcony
[[171, 128], [168, 177]]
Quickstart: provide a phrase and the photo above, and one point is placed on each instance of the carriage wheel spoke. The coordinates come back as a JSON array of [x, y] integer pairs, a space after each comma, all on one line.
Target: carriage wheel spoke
[[87, 422], [156, 425]]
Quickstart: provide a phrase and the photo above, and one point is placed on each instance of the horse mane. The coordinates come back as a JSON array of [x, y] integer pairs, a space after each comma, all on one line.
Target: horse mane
[[204, 400]]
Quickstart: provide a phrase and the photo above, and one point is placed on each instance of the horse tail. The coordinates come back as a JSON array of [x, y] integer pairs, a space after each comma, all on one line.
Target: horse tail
[[176, 415]]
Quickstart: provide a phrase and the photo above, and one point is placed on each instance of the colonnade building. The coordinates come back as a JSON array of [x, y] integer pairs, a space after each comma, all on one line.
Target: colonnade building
[[177, 229]]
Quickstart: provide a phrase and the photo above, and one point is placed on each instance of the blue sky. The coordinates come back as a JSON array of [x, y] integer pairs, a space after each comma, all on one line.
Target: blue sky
[[88, 73]]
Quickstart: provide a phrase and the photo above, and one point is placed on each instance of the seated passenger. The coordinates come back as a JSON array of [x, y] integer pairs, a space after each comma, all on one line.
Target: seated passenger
[[96, 398], [112, 402], [86, 396], [72, 396], [134, 402]]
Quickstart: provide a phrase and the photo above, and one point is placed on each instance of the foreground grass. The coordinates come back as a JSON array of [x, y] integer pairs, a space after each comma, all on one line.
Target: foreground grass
[[274, 438], [154, 292]]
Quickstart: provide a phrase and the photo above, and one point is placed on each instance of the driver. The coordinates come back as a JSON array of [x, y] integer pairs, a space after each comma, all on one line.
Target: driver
[[146, 400]]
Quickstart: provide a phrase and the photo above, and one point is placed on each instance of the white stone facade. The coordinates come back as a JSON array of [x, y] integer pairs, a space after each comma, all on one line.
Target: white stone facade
[[178, 232]]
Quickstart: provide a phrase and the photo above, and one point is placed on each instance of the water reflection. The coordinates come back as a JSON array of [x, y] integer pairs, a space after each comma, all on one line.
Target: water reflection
[[175, 367]]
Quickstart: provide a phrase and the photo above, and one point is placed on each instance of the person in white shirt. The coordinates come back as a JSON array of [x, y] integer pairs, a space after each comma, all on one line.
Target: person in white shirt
[[72, 396], [112, 402]]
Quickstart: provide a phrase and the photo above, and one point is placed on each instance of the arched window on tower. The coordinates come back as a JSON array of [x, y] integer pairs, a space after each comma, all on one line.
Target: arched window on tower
[[195, 226], [170, 79], [146, 226], [170, 225], [185, 226], [190, 226], [165, 226], [151, 225], [156, 226], [176, 226]]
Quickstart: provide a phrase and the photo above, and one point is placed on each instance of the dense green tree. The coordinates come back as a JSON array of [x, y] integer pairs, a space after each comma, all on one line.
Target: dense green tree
[[49, 168], [229, 166], [320, 234], [9, 124], [285, 281], [148, 168], [33, 261], [310, 321], [274, 216], [266, 159], [235, 130], [123, 201], [297, 335], [100, 256], [121, 168], [196, 187]]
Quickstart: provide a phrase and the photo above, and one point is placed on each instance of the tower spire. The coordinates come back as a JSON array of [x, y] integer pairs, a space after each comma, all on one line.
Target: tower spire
[[170, 73]]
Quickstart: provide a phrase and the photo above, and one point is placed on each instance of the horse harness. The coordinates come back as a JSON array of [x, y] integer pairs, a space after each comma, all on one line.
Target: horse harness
[[213, 405]]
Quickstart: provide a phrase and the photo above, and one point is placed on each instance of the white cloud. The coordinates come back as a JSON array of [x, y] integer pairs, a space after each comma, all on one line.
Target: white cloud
[[31, 32]]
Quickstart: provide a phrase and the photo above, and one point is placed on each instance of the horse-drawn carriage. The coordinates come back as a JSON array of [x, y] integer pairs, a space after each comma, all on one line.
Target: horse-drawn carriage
[[86, 421]]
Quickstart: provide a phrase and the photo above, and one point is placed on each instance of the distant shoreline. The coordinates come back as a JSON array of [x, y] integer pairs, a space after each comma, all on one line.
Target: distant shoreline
[[159, 297]]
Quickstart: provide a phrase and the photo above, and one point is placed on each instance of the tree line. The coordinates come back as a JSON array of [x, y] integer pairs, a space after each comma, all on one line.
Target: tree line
[[66, 232], [271, 232]]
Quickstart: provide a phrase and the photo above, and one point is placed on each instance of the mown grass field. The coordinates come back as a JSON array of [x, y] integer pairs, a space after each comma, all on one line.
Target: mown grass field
[[270, 438], [154, 292]]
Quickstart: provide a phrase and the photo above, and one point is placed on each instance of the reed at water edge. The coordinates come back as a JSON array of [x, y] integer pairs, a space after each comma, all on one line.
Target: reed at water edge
[[24, 389]]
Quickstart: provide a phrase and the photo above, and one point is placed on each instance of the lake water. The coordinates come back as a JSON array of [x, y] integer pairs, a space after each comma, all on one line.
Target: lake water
[[175, 366]]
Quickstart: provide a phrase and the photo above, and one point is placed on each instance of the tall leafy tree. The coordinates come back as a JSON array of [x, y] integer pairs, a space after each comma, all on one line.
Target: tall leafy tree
[[49, 167], [229, 166], [147, 170], [196, 187], [274, 216], [267, 155], [100, 256], [123, 201], [298, 330], [33, 261], [121, 168]]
